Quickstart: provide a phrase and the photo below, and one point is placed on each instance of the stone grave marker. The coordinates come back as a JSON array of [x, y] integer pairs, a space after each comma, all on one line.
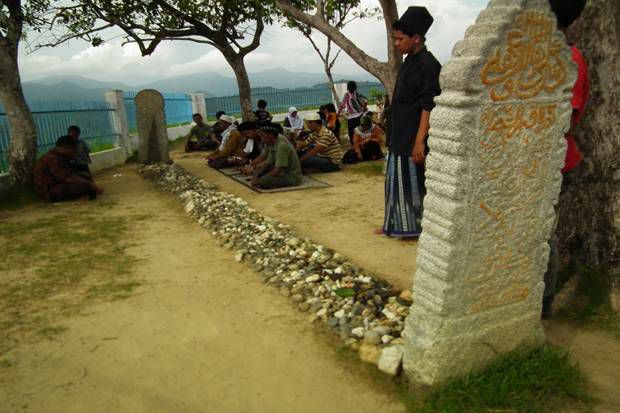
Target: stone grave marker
[[493, 176], [152, 130]]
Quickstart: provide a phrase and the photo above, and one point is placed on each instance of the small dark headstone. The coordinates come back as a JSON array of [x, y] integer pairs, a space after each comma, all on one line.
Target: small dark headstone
[[152, 131]]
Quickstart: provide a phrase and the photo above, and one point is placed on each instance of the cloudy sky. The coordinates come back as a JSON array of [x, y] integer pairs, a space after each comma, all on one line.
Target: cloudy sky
[[280, 48]]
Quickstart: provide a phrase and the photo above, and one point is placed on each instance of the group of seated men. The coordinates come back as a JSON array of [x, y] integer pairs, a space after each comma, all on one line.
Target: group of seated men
[[275, 156], [63, 173]]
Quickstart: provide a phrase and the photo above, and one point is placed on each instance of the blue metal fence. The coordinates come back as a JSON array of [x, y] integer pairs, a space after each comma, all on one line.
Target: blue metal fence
[[279, 100], [95, 118], [52, 120], [177, 106]]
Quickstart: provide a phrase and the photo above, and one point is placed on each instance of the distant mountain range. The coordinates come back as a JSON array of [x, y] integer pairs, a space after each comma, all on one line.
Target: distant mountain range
[[79, 88]]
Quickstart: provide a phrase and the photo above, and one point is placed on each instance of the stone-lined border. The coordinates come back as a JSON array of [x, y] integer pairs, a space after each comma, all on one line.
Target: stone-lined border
[[367, 313]]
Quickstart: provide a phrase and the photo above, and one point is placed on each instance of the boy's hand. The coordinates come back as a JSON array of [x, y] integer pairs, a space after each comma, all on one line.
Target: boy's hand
[[419, 154]]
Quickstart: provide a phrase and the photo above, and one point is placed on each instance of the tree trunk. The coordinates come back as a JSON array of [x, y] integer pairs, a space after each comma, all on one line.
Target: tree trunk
[[23, 147], [386, 72], [332, 85], [589, 229], [243, 82], [395, 59]]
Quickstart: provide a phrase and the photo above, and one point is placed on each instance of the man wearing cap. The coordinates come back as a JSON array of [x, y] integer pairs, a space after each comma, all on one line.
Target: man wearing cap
[[416, 87], [248, 148], [278, 166], [231, 145], [321, 150]]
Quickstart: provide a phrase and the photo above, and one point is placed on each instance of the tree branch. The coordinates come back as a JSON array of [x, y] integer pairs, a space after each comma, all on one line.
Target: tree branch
[[66, 38], [369, 63], [390, 15], [260, 27], [316, 48]]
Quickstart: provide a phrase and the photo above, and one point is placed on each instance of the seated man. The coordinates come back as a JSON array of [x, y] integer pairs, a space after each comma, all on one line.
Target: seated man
[[82, 160], [278, 165], [56, 180], [368, 140], [248, 148], [200, 137], [216, 128], [262, 115], [321, 151], [232, 143]]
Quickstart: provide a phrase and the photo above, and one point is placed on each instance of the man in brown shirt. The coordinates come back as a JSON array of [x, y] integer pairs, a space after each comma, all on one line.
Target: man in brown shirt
[[56, 180], [232, 143]]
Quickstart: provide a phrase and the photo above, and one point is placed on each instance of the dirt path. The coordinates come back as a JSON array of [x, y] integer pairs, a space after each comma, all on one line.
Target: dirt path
[[202, 335], [598, 354], [343, 217]]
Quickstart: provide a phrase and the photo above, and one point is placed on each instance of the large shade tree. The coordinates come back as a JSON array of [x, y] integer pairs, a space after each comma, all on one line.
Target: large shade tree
[[589, 227], [338, 15], [232, 27], [15, 17], [317, 14]]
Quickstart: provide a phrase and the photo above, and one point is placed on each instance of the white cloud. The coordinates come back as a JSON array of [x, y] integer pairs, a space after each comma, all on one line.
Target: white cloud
[[280, 47]]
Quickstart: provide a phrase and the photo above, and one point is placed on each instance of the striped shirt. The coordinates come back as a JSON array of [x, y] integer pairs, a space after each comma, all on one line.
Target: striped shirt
[[328, 140]]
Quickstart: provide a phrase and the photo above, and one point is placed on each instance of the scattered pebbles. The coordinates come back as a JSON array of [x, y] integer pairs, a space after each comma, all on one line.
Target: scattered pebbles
[[367, 313]]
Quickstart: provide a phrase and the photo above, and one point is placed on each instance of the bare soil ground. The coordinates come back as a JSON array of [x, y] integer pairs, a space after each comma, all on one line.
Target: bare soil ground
[[186, 328], [343, 217], [202, 334], [598, 354], [353, 207]]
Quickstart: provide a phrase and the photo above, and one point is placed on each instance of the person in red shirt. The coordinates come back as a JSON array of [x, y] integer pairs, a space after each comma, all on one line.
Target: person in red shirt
[[55, 179], [567, 12]]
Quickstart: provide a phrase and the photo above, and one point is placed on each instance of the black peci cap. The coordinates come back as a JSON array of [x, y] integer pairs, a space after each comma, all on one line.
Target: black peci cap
[[416, 20]]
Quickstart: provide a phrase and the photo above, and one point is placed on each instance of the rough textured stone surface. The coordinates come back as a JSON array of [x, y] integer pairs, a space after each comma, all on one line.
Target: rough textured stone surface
[[370, 353], [391, 360], [372, 337], [493, 177], [152, 130]]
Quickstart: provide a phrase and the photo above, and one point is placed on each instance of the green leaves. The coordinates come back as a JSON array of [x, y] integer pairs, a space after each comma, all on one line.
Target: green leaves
[[345, 292], [147, 23]]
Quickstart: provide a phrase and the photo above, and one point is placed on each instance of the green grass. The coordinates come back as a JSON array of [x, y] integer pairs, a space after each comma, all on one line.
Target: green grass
[[542, 380], [535, 381], [100, 147], [54, 260], [174, 125], [177, 144], [594, 308], [51, 331], [374, 168], [17, 198], [114, 290]]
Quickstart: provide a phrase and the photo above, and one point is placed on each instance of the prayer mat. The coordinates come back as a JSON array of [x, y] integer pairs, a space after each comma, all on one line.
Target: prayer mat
[[230, 171], [307, 182]]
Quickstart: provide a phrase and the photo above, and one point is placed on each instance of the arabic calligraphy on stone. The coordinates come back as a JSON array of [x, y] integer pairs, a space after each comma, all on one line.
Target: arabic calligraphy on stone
[[531, 63]]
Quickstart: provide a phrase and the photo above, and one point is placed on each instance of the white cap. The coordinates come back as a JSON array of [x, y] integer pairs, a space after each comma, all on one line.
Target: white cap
[[228, 118], [292, 110], [312, 117]]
